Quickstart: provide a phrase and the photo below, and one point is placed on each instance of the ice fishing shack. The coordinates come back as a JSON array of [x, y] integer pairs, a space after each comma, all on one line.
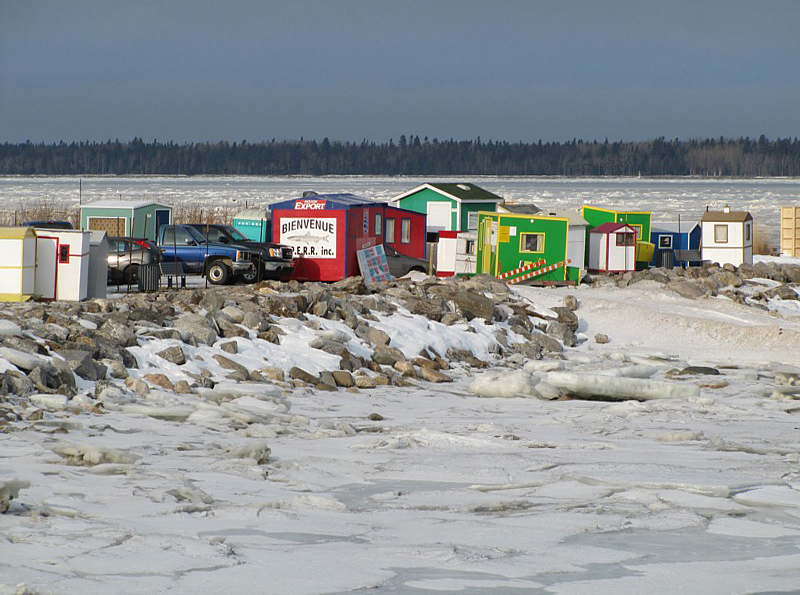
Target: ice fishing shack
[[612, 248], [516, 247], [135, 218], [640, 221], [448, 206], [727, 236], [677, 243], [17, 263], [62, 264], [327, 230]]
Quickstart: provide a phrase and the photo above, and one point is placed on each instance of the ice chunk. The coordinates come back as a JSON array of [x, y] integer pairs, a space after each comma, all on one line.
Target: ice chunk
[[52, 402], [598, 386], [8, 328], [89, 455], [9, 489], [518, 383]]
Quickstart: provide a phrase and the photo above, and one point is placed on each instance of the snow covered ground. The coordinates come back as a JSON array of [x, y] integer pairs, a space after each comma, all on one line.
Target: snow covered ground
[[442, 491]]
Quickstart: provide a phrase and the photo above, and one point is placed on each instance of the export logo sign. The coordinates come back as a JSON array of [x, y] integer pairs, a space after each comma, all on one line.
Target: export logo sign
[[310, 237], [309, 205]]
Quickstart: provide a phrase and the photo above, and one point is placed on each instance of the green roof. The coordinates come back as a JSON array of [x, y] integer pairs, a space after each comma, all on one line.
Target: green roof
[[470, 192]]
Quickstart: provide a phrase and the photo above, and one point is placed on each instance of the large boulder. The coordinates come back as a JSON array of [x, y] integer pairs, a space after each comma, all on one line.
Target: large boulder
[[470, 304], [197, 328]]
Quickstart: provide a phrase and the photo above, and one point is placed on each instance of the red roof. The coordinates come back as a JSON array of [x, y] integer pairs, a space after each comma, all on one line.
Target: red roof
[[609, 227]]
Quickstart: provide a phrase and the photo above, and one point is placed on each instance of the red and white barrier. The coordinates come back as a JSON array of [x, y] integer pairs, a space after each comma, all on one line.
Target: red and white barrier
[[537, 272], [521, 269]]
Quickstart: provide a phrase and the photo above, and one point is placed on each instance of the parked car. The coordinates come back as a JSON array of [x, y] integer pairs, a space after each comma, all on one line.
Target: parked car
[[220, 263], [49, 224], [270, 261], [126, 254], [400, 264]]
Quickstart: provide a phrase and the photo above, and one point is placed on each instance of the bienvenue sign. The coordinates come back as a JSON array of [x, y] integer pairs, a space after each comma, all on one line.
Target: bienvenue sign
[[310, 237]]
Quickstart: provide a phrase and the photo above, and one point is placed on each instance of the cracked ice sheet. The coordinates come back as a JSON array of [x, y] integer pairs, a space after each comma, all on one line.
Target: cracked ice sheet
[[582, 496]]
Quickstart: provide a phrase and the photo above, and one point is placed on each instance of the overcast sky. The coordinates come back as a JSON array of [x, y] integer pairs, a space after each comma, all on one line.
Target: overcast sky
[[196, 70]]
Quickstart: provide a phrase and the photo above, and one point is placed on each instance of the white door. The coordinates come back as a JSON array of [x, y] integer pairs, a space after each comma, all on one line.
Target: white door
[[439, 216], [46, 267]]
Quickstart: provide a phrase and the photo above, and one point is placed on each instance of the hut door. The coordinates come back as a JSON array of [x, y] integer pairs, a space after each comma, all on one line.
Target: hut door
[[46, 267], [162, 218], [486, 265]]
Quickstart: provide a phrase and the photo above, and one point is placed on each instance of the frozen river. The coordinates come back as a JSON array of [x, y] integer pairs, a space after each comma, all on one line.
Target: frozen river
[[667, 197]]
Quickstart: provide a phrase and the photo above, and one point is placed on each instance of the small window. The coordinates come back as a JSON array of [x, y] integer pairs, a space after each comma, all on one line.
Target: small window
[[470, 248], [665, 241], [63, 253], [405, 231], [472, 221], [531, 242], [747, 232], [389, 235], [378, 221], [626, 239], [721, 234]]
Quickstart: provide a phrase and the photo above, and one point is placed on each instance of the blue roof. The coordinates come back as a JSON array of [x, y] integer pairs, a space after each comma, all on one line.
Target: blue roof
[[332, 201]]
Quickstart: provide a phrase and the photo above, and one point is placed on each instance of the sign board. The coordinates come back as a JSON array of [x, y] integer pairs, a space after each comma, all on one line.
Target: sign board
[[310, 237], [505, 234], [309, 205], [373, 264]]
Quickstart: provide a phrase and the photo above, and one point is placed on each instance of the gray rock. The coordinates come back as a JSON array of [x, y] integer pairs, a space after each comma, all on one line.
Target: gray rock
[[82, 364], [230, 329], [571, 302], [255, 322], [115, 368], [327, 378], [196, 327], [118, 333], [601, 338], [387, 355], [234, 313], [783, 292], [15, 383], [432, 375], [708, 371], [686, 289], [546, 343], [343, 378], [562, 332], [471, 305], [173, 355], [230, 347], [301, 374], [567, 316], [229, 364]]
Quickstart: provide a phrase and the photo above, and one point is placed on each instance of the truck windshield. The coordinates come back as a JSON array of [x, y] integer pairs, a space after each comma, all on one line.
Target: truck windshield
[[235, 233]]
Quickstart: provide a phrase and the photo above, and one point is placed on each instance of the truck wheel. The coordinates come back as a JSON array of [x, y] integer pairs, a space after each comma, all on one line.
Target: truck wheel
[[218, 273], [251, 274]]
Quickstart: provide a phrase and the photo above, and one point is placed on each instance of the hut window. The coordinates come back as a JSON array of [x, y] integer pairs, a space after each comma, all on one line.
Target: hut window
[[721, 234], [531, 242], [378, 221], [63, 253], [405, 231], [389, 235], [626, 239], [665, 241], [747, 233], [472, 221]]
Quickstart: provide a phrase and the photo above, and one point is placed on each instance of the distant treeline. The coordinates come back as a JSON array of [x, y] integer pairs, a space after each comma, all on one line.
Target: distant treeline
[[741, 157]]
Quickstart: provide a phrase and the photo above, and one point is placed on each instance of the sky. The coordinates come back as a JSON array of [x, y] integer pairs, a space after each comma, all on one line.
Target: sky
[[515, 70]]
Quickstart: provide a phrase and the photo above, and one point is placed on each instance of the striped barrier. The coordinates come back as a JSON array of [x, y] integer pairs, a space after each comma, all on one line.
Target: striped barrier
[[538, 272], [522, 269]]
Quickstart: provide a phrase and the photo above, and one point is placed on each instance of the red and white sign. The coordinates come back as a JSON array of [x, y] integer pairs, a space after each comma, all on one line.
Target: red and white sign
[[309, 205]]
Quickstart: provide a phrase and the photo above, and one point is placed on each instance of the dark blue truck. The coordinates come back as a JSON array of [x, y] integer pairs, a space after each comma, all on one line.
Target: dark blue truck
[[220, 263]]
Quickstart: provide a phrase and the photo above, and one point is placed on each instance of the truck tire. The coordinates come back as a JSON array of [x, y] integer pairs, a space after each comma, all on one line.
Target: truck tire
[[218, 273], [251, 275]]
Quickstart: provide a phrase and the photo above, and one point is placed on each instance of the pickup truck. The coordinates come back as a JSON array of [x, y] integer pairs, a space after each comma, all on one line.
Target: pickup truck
[[220, 263], [270, 261]]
